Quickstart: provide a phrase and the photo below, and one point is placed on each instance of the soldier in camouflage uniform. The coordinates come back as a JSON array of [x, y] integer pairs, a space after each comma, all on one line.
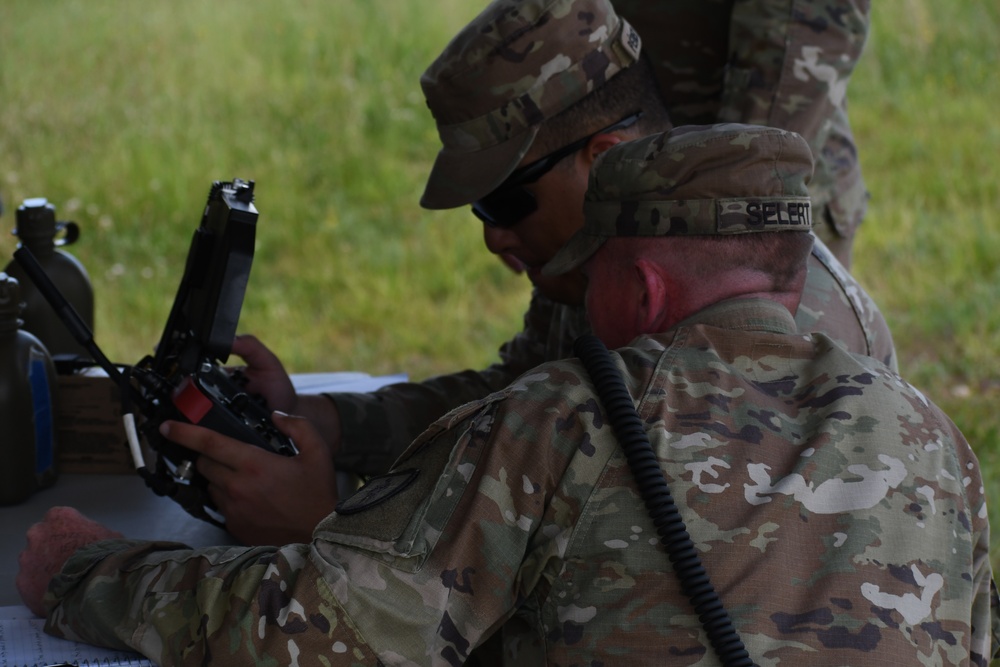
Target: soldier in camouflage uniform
[[840, 515], [782, 63], [522, 81], [490, 102]]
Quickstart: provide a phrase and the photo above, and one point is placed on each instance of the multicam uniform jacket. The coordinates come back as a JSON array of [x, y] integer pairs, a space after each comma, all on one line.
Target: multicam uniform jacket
[[377, 426], [840, 515]]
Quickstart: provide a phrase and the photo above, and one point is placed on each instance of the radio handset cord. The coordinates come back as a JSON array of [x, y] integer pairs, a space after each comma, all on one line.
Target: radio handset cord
[[653, 488]]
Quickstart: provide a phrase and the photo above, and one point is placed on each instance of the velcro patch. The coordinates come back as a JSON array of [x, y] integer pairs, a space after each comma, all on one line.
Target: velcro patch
[[378, 490]]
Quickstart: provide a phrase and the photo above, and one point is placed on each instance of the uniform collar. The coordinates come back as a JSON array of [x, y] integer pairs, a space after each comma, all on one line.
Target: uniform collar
[[746, 314]]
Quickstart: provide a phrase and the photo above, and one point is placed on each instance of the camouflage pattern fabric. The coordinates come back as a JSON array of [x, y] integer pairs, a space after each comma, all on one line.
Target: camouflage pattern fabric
[[732, 158], [782, 63], [688, 43], [790, 65], [377, 426], [681, 183], [516, 64], [840, 514], [833, 303]]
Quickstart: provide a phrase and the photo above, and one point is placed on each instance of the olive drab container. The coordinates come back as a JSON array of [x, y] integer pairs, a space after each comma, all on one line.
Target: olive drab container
[[37, 230], [27, 415]]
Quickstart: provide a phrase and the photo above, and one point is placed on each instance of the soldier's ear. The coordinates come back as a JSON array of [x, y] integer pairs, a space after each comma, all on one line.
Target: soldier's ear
[[598, 144], [653, 295]]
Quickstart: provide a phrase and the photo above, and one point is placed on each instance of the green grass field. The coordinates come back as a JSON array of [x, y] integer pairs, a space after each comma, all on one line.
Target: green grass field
[[122, 113]]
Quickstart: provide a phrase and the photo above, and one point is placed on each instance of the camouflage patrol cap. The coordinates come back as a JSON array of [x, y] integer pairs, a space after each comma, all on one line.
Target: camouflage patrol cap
[[694, 180], [515, 65]]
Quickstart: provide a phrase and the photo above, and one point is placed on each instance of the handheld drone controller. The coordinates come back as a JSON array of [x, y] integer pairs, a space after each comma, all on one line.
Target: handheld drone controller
[[184, 379]]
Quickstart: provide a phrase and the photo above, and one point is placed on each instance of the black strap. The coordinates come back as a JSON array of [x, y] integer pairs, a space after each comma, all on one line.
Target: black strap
[[654, 491]]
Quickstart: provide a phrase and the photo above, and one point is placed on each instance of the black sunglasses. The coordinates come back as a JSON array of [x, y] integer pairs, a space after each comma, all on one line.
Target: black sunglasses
[[510, 203]]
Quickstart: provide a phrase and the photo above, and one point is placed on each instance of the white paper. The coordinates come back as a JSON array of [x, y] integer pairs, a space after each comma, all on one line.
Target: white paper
[[23, 643]]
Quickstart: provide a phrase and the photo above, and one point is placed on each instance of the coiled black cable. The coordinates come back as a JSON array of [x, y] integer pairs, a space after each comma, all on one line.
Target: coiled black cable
[[656, 495]]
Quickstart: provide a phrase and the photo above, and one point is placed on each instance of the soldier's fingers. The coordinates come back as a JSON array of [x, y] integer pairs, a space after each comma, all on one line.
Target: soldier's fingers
[[206, 442]]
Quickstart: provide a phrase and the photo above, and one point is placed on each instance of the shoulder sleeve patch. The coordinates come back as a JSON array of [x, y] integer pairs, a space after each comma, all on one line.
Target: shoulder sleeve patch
[[377, 490]]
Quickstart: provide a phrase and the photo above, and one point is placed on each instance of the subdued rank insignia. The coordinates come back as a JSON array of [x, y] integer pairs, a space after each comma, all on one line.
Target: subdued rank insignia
[[376, 491]]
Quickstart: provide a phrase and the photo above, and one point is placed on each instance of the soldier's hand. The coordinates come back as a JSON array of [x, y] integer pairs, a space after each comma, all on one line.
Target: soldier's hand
[[265, 374], [266, 498]]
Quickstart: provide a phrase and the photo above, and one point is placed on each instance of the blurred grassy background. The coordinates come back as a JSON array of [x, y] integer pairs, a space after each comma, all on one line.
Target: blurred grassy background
[[122, 113]]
